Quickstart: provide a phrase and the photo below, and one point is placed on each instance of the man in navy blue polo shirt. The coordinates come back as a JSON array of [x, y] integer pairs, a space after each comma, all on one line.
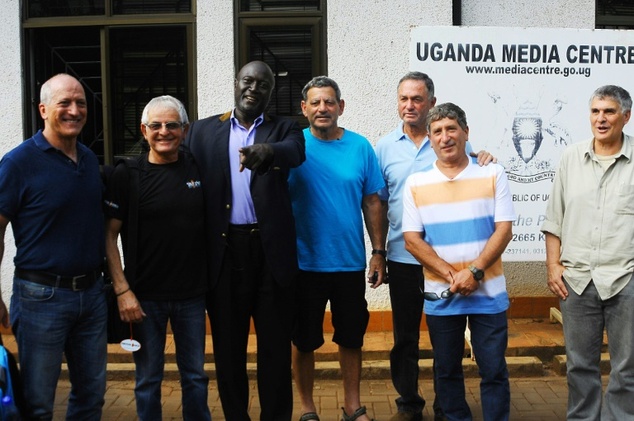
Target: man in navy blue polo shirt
[[50, 192]]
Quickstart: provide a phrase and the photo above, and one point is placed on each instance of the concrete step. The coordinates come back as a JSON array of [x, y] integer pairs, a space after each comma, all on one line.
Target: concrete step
[[329, 370], [527, 337], [545, 354], [559, 364], [534, 346]]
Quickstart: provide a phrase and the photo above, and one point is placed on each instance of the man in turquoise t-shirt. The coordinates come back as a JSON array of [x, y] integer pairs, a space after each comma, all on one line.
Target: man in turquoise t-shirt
[[332, 193]]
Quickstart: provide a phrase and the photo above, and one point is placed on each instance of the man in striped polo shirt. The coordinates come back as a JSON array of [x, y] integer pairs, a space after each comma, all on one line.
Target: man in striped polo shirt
[[457, 221]]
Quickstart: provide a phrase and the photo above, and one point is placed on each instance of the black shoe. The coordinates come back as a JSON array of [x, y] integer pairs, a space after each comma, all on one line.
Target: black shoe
[[407, 416], [439, 416]]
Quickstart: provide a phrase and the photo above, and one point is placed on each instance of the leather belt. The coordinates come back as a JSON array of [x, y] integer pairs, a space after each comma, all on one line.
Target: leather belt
[[244, 228], [75, 283]]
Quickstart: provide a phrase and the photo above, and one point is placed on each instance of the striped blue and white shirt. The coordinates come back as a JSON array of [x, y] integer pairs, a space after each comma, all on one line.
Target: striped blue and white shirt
[[457, 217]]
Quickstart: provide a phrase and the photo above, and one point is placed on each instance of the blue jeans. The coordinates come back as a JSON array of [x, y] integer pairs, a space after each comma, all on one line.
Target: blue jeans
[[187, 319], [489, 337], [584, 317], [49, 322]]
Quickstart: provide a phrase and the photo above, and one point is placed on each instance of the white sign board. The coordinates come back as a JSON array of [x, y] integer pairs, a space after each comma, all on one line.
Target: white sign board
[[526, 93]]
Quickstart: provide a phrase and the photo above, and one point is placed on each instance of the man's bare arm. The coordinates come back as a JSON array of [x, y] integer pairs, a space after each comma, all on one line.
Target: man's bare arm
[[427, 256], [555, 269], [129, 307], [495, 246], [461, 281], [373, 209], [483, 157]]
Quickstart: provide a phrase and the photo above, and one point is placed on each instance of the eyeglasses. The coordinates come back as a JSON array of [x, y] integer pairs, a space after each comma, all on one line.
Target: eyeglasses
[[170, 125], [432, 296]]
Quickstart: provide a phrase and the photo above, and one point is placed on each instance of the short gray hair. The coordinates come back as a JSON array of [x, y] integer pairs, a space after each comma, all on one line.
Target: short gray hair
[[447, 110], [423, 77], [46, 90], [165, 101], [321, 82], [617, 93]]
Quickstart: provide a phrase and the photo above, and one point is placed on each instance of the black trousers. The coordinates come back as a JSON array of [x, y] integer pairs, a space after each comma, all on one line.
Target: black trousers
[[245, 290], [406, 296]]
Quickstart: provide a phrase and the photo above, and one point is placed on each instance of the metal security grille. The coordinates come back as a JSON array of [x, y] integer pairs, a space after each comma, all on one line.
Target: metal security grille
[[288, 52], [615, 14], [288, 35], [279, 5], [139, 71], [75, 51], [142, 63], [57, 8], [124, 52]]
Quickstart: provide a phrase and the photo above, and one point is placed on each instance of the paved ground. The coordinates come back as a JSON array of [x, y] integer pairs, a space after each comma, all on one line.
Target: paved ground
[[540, 397], [533, 399]]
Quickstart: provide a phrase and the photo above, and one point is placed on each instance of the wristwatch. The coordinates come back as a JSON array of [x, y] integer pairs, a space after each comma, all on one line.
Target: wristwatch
[[381, 252], [478, 274]]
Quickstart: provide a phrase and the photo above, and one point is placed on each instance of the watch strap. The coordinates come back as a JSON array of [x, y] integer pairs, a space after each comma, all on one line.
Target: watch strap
[[478, 274], [381, 252]]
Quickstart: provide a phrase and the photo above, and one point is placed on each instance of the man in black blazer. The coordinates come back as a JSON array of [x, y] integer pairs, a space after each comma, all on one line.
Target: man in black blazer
[[244, 158]]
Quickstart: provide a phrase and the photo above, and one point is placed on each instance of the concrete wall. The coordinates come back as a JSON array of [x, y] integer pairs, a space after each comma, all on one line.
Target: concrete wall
[[533, 13], [367, 54], [215, 64], [11, 112]]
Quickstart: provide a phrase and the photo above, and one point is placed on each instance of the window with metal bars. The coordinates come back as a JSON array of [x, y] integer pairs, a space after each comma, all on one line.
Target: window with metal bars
[[122, 61], [615, 14], [289, 35]]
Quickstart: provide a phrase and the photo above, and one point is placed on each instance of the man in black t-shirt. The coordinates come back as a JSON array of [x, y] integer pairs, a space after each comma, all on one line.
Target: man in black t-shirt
[[169, 280]]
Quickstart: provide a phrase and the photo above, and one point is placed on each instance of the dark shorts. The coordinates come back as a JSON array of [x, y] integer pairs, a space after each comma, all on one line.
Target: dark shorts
[[346, 293]]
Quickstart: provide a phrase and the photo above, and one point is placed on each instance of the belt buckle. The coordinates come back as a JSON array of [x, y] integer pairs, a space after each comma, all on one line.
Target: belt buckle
[[74, 282]]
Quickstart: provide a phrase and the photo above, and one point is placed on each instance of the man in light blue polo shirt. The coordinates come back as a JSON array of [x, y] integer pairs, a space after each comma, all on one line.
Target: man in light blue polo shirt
[[400, 153]]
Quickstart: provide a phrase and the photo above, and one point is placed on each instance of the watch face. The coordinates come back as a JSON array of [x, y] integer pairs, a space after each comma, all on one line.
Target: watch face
[[478, 274]]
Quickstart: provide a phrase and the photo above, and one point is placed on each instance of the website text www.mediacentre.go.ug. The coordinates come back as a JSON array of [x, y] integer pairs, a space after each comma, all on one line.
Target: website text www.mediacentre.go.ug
[[519, 69]]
